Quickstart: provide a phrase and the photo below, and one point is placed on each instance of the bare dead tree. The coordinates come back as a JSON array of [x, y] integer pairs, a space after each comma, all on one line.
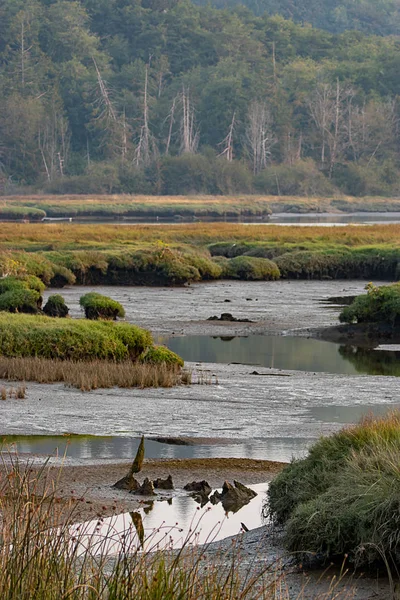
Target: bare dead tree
[[329, 107], [372, 126], [259, 135], [227, 142], [190, 135], [54, 142], [146, 146], [171, 119], [108, 111]]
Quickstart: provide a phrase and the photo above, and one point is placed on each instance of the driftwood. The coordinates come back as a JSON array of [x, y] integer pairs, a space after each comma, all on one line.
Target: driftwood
[[129, 482]]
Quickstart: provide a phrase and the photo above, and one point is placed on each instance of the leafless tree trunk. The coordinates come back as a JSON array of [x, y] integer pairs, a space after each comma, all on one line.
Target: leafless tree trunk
[[146, 142], [54, 143], [259, 135], [190, 136], [227, 143], [329, 107], [171, 118]]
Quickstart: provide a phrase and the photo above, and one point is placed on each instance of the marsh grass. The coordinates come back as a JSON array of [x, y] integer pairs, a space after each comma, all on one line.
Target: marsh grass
[[343, 498], [19, 393], [124, 205], [92, 375], [176, 254]]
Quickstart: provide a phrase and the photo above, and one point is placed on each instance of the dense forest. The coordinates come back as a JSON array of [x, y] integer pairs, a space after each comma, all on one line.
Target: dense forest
[[381, 17], [168, 97]]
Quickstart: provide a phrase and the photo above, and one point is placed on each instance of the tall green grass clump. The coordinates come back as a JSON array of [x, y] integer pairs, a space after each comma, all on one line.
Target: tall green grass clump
[[21, 294], [344, 497], [66, 339], [97, 306], [56, 307], [248, 268], [378, 305], [157, 355]]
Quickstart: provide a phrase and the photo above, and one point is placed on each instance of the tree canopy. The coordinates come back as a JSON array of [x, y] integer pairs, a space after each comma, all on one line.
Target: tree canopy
[[165, 96]]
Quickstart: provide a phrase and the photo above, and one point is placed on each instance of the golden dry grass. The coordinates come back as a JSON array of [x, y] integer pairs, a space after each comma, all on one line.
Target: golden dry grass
[[70, 236], [92, 375]]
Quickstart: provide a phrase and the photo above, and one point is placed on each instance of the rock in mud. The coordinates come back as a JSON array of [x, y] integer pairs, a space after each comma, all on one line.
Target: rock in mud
[[164, 484], [233, 497], [201, 487], [229, 318], [146, 489], [200, 498], [128, 483]]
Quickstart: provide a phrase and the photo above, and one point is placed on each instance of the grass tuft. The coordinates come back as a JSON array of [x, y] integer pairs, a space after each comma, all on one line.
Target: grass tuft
[[343, 498]]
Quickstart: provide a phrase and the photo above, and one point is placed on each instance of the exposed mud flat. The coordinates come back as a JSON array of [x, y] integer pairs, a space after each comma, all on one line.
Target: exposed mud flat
[[268, 417], [274, 306]]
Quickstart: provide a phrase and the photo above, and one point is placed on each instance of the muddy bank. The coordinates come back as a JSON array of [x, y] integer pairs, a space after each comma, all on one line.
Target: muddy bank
[[275, 307], [91, 492], [267, 417], [262, 555], [362, 335]]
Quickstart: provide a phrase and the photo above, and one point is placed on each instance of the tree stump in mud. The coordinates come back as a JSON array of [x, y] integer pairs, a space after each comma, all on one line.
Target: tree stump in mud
[[129, 482]]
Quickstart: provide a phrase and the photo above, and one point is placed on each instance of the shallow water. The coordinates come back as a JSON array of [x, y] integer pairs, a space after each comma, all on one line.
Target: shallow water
[[265, 417], [82, 449], [171, 523], [326, 219], [286, 353]]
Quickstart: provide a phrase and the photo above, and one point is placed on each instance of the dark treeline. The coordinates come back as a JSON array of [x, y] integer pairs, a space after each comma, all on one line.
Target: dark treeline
[[166, 97]]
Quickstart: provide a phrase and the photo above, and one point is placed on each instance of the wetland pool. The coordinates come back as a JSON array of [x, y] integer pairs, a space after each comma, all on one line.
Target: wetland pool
[[170, 522], [287, 353]]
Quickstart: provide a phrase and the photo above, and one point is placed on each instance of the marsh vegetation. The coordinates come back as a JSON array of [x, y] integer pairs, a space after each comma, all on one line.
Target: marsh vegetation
[[342, 499], [143, 255]]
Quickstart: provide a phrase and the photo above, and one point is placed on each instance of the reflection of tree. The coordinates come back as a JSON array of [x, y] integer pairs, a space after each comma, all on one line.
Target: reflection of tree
[[373, 362], [138, 523]]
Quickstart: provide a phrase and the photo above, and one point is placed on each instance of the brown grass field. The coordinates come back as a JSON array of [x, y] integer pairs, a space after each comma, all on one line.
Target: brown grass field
[[69, 236]]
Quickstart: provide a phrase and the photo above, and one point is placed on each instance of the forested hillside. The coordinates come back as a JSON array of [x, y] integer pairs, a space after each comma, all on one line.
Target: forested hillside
[[159, 96], [381, 17]]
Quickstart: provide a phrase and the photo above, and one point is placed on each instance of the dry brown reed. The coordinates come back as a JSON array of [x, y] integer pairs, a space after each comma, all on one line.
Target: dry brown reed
[[18, 393], [94, 237], [91, 375]]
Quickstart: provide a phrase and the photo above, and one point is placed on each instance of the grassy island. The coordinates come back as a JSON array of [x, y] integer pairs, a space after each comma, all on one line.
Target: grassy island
[[62, 254]]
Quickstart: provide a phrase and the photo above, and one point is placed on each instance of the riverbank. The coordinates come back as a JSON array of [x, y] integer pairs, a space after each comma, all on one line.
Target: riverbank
[[200, 206]]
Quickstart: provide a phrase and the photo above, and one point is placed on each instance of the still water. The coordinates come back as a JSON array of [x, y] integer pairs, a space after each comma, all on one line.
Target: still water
[[169, 524], [287, 353]]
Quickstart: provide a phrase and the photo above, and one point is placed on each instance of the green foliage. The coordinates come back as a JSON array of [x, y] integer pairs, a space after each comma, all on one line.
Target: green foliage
[[21, 294], [56, 307], [160, 354], [339, 263], [300, 179], [358, 516], [15, 213], [379, 305], [20, 300], [342, 499], [209, 69], [66, 339], [97, 306], [250, 268], [306, 479]]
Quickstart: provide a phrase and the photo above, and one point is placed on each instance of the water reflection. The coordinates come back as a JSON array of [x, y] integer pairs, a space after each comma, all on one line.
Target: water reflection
[[287, 353], [100, 449], [169, 524], [372, 362]]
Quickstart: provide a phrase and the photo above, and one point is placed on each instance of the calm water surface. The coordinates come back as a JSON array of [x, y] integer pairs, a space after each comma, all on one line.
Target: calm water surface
[[171, 523], [287, 353]]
